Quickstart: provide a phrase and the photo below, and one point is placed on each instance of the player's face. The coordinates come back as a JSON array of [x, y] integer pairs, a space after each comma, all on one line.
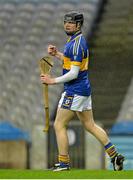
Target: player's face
[[70, 27]]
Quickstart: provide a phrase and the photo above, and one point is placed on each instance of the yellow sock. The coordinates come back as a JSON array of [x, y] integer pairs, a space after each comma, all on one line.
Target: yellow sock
[[64, 159]]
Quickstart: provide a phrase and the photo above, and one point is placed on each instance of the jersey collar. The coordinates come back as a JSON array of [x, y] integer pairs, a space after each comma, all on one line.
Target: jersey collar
[[74, 36]]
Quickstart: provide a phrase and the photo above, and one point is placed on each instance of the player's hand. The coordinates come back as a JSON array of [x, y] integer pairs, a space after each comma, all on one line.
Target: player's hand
[[52, 50], [46, 79]]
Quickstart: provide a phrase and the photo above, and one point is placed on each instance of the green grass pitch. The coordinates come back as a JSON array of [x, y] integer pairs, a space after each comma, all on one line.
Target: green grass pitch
[[72, 174]]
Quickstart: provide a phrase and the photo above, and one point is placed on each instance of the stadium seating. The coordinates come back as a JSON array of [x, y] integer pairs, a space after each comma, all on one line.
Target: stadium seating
[[26, 28], [126, 112], [111, 60]]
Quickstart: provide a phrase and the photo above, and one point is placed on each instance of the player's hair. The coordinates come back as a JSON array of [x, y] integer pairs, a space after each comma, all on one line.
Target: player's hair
[[74, 16]]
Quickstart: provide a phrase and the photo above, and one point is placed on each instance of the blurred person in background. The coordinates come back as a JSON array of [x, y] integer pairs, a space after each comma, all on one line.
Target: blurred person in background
[[76, 97]]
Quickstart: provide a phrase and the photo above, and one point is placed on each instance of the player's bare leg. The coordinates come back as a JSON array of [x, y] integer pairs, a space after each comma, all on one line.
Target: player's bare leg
[[62, 119], [86, 117]]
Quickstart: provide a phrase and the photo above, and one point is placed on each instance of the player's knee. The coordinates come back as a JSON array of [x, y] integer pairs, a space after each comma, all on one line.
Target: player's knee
[[57, 125]]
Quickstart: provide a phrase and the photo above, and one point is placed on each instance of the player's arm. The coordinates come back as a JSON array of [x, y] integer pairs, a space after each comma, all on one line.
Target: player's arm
[[71, 75], [53, 51]]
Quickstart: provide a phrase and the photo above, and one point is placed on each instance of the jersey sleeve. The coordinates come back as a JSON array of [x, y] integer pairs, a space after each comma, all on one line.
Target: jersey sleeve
[[76, 54]]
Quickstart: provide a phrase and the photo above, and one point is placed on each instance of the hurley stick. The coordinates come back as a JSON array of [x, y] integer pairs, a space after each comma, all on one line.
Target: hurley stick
[[45, 65]]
